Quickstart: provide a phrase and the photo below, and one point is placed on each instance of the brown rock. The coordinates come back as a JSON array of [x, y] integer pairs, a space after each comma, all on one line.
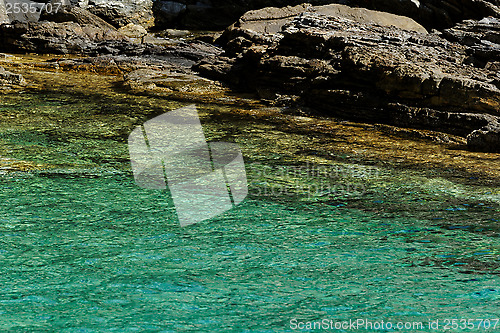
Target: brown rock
[[359, 69]]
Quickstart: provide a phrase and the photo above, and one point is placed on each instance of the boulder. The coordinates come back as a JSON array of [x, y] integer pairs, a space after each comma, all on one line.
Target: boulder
[[132, 30], [486, 139], [8, 13], [67, 13], [272, 20], [119, 13]]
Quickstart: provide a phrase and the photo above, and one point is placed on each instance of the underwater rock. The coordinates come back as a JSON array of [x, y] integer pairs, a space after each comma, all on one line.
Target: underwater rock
[[9, 79]]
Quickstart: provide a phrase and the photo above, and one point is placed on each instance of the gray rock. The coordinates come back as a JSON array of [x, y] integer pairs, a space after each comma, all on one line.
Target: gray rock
[[60, 38], [122, 12], [77, 15], [272, 20], [8, 12], [4, 17]]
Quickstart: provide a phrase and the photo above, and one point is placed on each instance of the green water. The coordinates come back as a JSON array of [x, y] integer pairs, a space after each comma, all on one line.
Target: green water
[[83, 249]]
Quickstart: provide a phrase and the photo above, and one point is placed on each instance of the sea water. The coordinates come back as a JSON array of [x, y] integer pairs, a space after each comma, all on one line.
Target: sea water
[[316, 241]]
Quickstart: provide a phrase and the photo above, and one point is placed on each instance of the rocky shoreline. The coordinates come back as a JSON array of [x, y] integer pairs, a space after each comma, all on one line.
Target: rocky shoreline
[[333, 60]]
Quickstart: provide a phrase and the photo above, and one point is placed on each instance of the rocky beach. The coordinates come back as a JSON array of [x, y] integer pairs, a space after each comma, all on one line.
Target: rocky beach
[[370, 132], [346, 61]]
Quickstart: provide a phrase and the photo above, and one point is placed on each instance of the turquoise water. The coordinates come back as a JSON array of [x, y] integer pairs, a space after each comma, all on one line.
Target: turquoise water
[[83, 249]]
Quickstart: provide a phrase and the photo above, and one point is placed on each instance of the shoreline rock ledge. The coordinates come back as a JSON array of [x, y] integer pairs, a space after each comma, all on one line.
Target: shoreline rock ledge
[[368, 66]]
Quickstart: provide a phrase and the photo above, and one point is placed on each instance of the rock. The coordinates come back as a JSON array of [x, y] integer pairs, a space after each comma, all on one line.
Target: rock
[[212, 14], [122, 12], [356, 67], [9, 79], [218, 14], [132, 30], [167, 13], [438, 13], [8, 14], [60, 38], [272, 20], [75, 14], [486, 139], [178, 84], [481, 37]]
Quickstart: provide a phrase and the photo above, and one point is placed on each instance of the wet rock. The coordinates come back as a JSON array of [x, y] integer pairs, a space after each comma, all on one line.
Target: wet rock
[[486, 138], [178, 84], [364, 69]]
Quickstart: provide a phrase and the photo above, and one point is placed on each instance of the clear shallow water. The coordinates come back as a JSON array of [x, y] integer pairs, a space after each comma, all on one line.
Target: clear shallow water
[[99, 254], [83, 249]]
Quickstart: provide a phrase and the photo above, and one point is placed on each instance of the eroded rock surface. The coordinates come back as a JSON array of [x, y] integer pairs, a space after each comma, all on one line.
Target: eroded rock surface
[[361, 69], [482, 38]]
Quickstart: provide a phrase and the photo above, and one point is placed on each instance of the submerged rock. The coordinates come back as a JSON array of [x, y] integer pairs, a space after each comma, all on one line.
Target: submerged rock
[[371, 67], [9, 79]]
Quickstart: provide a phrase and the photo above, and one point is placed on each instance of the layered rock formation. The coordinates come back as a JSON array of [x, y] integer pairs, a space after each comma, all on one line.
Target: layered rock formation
[[61, 38], [217, 14], [362, 65], [119, 13]]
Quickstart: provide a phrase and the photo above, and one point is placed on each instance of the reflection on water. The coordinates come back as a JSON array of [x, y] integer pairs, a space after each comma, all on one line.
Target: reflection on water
[[342, 222]]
